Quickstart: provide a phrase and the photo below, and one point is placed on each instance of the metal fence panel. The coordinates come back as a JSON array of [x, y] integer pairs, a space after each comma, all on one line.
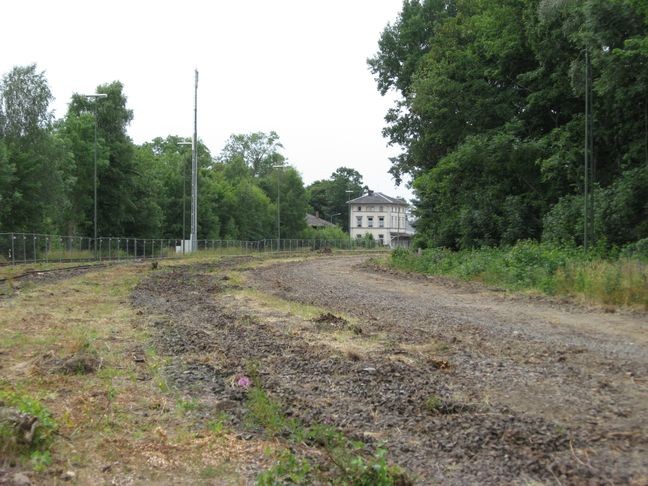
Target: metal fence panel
[[19, 248]]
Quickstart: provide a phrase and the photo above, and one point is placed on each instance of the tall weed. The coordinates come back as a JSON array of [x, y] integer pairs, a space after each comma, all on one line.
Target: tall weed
[[596, 276]]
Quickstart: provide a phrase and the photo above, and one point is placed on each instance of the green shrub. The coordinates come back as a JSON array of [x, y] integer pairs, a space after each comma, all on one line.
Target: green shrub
[[347, 461], [330, 233], [600, 275], [12, 444], [290, 469], [264, 411], [638, 250], [619, 212]]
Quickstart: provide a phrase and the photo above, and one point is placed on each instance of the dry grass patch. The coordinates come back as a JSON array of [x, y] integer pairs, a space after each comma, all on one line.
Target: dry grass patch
[[80, 350], [301, 320]]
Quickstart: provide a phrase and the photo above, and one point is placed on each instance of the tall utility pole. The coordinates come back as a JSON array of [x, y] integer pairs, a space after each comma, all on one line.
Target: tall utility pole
[[279, 166], [194, 173], [95, 97], [348, 193], [184, 195], [588, 193]]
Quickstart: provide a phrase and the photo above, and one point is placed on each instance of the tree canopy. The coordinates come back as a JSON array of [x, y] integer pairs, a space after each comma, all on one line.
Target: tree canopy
[[47, 173], [491, 114], [329, 196]]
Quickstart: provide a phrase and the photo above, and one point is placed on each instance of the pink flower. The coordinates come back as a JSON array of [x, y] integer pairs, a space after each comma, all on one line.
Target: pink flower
[[244, 382]]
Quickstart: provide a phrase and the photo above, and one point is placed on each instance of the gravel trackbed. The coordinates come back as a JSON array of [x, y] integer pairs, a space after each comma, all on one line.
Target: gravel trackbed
[[460, 383]]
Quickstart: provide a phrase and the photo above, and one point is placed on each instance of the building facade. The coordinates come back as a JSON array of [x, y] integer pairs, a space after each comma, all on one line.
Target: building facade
[[383, 217]]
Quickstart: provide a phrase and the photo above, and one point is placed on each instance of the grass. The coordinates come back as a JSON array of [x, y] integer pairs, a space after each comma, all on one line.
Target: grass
[[549, 269], [123, 413], [11, 271], [13, 442], [344, 461], [304, 311]]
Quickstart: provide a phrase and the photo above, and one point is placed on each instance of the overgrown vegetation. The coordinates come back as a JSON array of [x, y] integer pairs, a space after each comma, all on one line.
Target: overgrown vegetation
[[123, 415], [27, 429], [345, 461], [617, 277]]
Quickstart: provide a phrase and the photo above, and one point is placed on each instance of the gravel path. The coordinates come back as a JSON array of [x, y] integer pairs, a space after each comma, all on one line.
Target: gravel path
[[585, 373], [464, 385]]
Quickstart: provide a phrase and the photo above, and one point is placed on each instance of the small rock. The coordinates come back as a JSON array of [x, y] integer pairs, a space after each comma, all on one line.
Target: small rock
[[20, 479], [108, 467], [68, 476]]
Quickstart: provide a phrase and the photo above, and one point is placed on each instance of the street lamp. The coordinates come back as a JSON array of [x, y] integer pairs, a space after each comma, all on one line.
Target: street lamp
[[333, 216], [95, 97], [279, 166], [194, 171], [349, 192], [184, 195]]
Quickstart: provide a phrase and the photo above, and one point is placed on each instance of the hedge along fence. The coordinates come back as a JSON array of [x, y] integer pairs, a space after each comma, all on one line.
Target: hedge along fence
[[16, 248]]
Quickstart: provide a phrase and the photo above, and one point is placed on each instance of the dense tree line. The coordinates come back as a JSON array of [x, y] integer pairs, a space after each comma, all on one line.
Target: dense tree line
[[47, 173], [329, 197], [491, 117]]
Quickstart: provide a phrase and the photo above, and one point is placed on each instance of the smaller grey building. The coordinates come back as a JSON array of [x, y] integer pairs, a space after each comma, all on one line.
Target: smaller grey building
[[314, 221]]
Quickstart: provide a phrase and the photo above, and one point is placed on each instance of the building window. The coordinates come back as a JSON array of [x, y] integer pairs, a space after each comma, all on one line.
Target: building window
[[359, 208], [381, 239], [370, 221], [359, 221], [381, 221]]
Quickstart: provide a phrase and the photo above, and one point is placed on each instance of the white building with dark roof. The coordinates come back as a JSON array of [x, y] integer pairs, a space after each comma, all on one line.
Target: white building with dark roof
[[383, 217]]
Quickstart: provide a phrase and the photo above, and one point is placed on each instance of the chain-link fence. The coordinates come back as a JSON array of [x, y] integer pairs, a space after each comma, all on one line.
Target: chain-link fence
[[16, 248]]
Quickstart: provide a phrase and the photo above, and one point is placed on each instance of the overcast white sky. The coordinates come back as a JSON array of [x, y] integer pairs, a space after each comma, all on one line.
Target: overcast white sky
[[297, 67]]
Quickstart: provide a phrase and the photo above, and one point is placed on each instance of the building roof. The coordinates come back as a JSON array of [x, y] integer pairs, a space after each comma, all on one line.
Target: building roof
[[316, 222], [377, 198]]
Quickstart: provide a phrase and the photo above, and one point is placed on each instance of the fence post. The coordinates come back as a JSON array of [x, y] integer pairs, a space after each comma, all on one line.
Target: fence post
[[34, 241]]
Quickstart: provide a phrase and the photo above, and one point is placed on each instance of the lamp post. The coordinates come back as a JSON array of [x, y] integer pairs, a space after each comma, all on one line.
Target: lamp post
[[194, 172], [348, 192], [278, 166], [95, 96], [184, 195], [333, 216]]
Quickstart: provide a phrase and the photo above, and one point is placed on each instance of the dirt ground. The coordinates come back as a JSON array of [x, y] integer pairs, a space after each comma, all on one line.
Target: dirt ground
[[459, 383]]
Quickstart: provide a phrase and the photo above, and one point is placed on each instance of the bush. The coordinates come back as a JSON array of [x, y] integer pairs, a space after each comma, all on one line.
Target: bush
[[11, 439], [329, 233], [597, 275], [620, 214], [638, 250]]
